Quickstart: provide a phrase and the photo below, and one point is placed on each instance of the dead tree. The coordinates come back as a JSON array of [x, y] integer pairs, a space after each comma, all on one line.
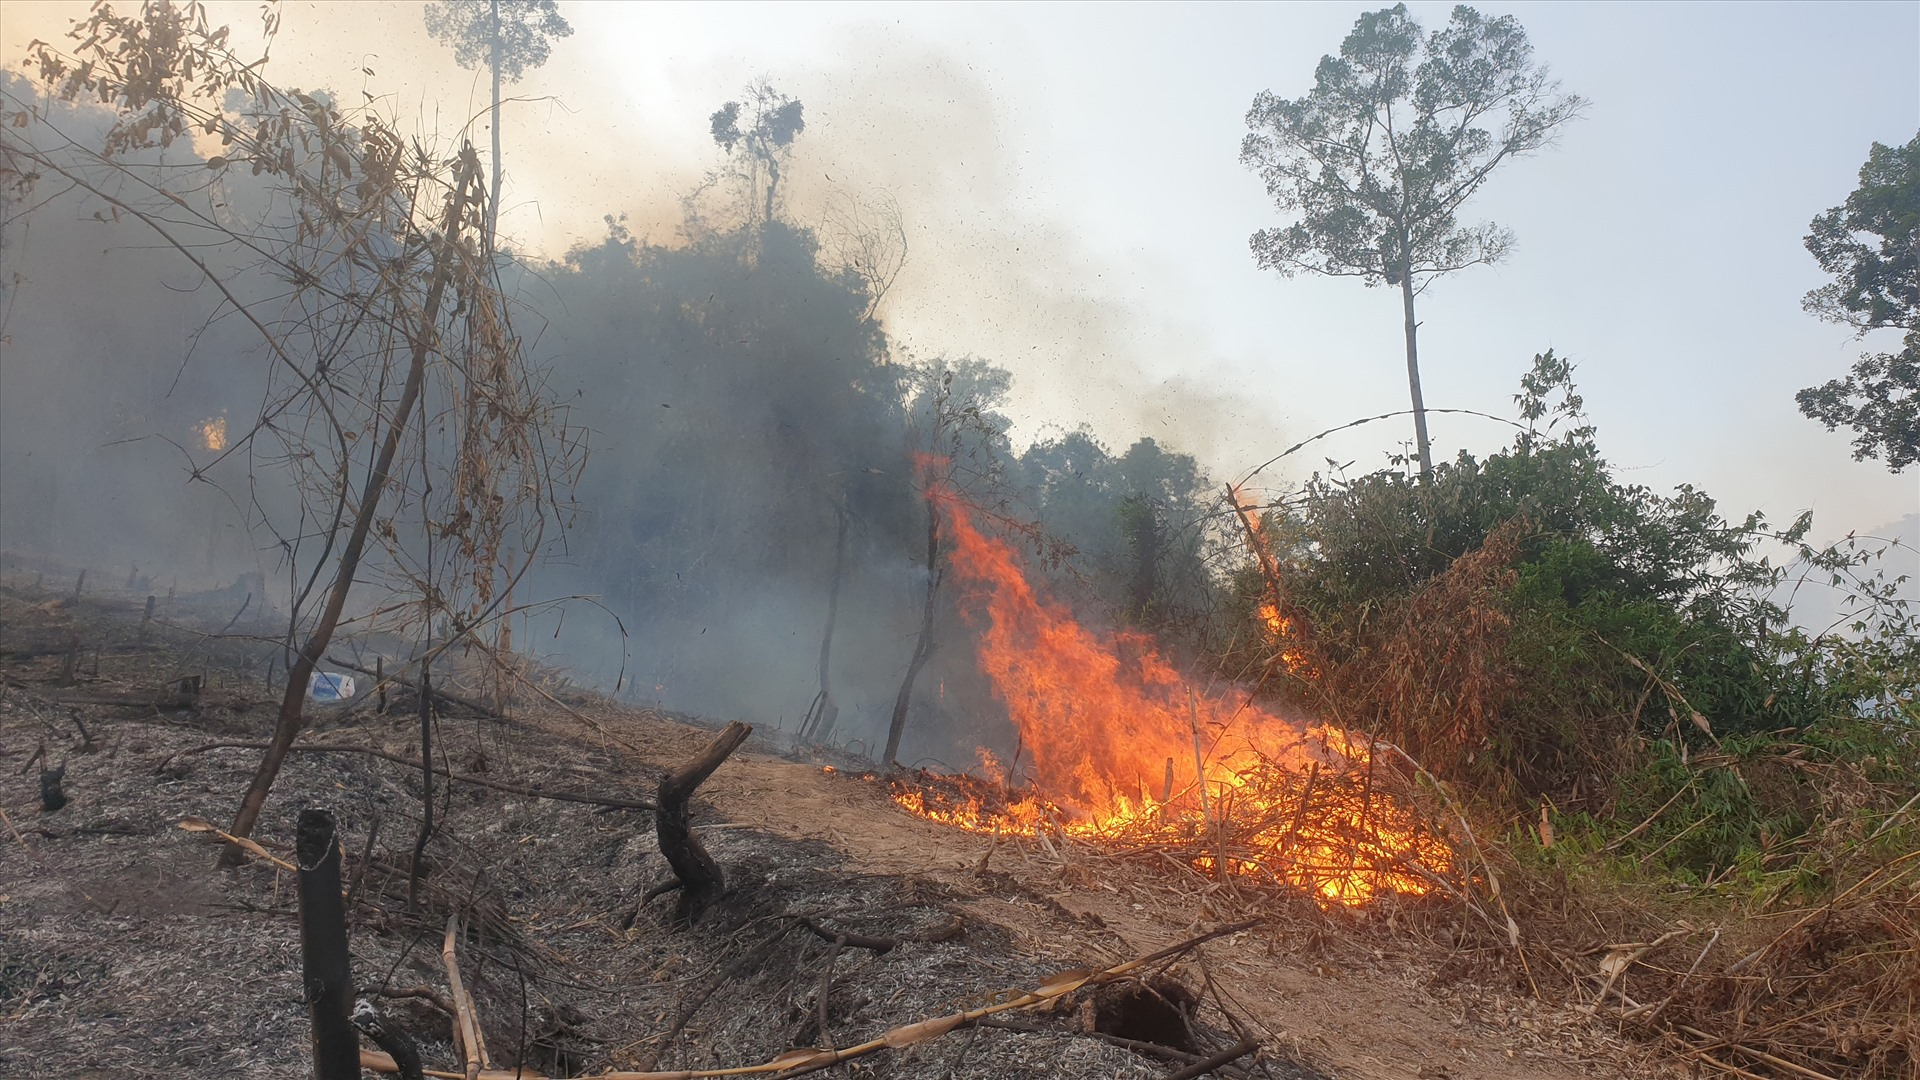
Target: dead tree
[[697, 876]]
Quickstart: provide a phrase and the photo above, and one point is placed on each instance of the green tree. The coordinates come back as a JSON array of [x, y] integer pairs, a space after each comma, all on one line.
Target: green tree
[[509, 36], [1397, 133], [1877, 287]]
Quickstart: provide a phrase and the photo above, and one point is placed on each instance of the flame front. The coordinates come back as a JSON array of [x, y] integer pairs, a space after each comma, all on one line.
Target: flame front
[[1125, 751]]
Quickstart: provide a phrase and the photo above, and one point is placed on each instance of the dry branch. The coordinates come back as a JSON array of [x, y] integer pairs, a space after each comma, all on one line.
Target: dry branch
[[477, 707], [701, 878], [800, 1062], [609, 801], [466, 1028]]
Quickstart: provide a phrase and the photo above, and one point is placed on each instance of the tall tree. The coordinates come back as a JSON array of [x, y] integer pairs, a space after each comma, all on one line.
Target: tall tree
[[1877, 287], [1397, 133], [509, 36], [757, 150]]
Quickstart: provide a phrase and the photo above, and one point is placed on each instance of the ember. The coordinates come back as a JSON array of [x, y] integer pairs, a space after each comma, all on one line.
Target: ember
[[1124, 752]]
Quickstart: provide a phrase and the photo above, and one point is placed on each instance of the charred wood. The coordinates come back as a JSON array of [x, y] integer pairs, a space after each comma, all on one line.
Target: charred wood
[[323, 948], [698, 873]]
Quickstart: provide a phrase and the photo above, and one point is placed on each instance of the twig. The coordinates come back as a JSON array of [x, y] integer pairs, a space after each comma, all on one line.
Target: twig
[[1642, 827], [24, 846], [402, 680], [826, 982], [843, 937], [414, 763]]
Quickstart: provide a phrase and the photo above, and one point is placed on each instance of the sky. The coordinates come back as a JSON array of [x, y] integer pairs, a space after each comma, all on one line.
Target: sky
[[1076, 211]]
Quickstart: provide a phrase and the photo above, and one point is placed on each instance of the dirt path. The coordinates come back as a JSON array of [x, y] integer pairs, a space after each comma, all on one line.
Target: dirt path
[[1362, 1005]]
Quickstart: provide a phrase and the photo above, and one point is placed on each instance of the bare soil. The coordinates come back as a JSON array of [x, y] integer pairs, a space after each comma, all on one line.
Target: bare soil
[[124, 953]]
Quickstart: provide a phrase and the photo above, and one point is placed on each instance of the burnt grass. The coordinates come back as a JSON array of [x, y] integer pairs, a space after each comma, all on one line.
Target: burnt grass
[[125, 953]]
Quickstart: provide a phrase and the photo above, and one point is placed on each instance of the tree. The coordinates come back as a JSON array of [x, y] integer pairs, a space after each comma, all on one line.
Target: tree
[[414, 439], [509, 36], [1878, 287], [958, 445], [758, 150], [1396, 134]]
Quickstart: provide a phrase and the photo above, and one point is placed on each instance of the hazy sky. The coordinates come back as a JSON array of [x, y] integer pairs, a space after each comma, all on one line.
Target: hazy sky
[[1076, 210]]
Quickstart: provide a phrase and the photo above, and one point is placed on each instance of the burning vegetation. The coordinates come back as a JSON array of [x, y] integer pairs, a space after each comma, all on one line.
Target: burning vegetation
[[1117, 748]]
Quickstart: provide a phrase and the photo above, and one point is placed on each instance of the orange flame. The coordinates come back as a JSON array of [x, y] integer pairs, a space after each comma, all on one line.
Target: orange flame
[[1123, 749], [212, 433]]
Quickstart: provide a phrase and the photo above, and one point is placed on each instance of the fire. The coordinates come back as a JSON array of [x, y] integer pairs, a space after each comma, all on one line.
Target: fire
[[212, 433], [1125, 751]]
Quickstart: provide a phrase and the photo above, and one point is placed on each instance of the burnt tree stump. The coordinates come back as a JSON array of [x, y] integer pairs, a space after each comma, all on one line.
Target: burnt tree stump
[[52, 797], [324, 964], [701, 881]]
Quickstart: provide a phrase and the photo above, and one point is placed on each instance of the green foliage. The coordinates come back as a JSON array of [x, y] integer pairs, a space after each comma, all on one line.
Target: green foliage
[[526, 32], [1877, 286], [1628, 617], [759, 149], [1379, 156], [1137, 523]]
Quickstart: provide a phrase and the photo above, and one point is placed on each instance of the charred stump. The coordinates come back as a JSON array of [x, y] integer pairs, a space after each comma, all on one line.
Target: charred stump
[[700, 879], [324, 965], [52, 797], [389, 1036]]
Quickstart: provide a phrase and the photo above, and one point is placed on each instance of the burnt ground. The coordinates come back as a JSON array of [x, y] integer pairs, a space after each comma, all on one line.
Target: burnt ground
[[125, 953]]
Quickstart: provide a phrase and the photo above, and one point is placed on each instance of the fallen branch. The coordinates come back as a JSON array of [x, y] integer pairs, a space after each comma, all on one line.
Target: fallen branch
[[1138, 1046], [800, 1062], [1201, 1068], [466, 1028], [246, 844], [414, 763], [842, 937]]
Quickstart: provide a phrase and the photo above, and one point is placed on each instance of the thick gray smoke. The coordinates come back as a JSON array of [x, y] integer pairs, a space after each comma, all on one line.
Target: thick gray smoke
[[741, 396]]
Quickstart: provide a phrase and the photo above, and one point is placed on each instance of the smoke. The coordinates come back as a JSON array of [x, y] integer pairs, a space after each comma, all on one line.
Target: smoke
[[741, 385]]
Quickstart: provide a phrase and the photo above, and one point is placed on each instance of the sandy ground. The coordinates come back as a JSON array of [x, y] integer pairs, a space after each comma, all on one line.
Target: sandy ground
[[124, 953]]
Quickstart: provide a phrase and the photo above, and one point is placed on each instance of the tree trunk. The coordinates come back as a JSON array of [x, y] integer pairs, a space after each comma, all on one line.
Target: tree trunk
[[1413, 380], [826, 712], [426, 780], [290, 721], [493, 201], [324, 963], [922, 648]]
